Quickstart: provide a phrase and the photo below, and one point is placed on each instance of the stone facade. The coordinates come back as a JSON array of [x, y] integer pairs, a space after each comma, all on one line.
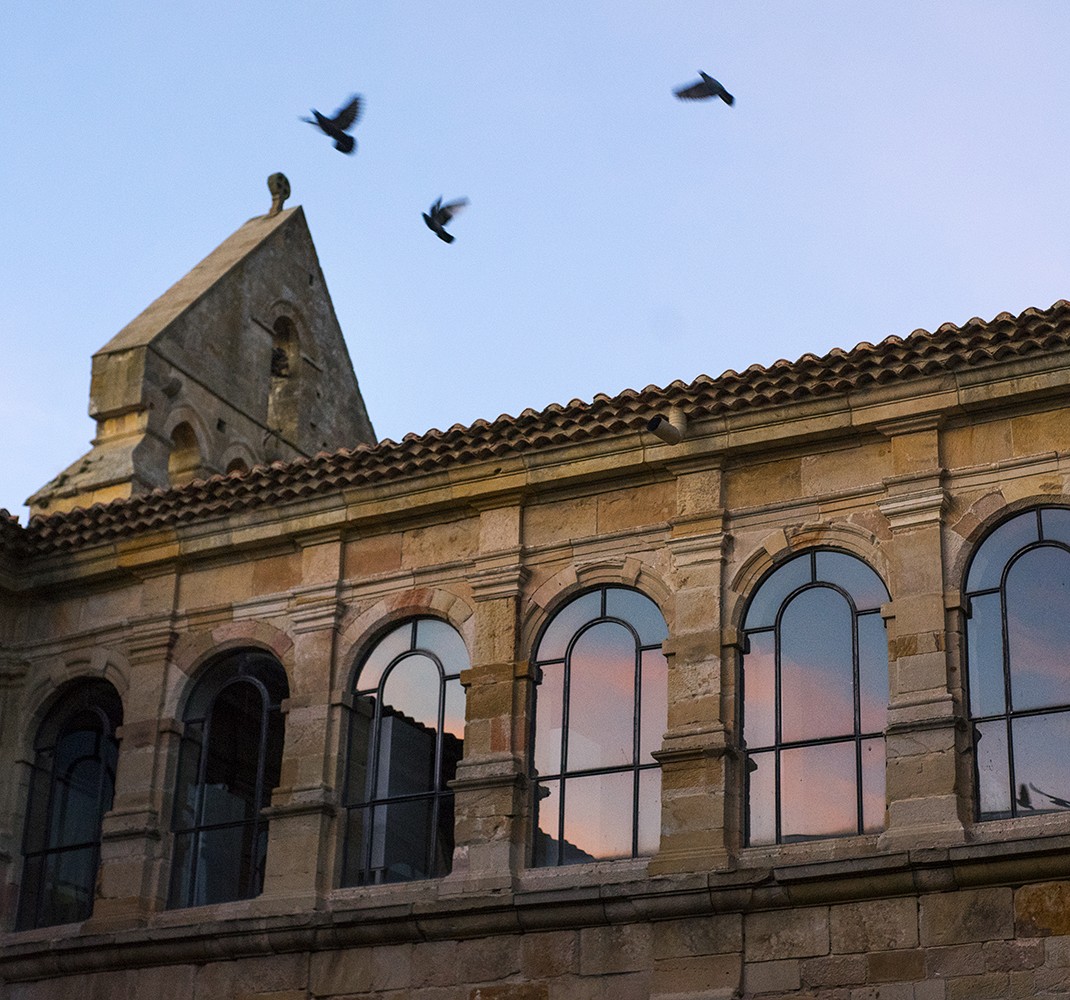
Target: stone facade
[[908, 473]]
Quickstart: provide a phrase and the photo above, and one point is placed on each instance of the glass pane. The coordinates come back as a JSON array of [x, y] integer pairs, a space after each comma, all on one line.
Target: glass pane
[[654, 711], [233, 764], [775, 590], [549, 713], [390, 646], [442, 849], [30, 893], [361, 722], [1055, 523], [566, 623], [598, 817], [443, 640], [601, 699], [413, 687], [356, 850], [76, 812], [453, 721], [866, 588], [400, 840], [834, 812], [759, 692], [816, 675], [995, 551], [224, 865], [37, 806], [761, 798], [1038, 628], [69, 884], [547, 820], [272, 756], [984, 652], [873, 783], [873, 673], [993, 770], [640, 612], [406, 756], [1041, 750], [649, 811]]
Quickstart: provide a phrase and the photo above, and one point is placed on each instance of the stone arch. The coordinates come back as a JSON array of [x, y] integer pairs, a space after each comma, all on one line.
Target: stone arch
[[238, 457], [566, 584], [194, 651], [184, 460], [361, 632], [776, 547]]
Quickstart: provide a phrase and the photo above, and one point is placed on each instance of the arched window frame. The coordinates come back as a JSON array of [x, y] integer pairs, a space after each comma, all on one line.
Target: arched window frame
[[549, 849], [364, 806], [196, 840], [998, 740], [860, 736], [41, 902]]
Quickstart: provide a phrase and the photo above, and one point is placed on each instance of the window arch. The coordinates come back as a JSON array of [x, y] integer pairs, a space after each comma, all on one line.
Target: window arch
[[406, 737], [71, 788], [184, 461], [815, 700], [601, 706], [1017, 653], [229, 763]]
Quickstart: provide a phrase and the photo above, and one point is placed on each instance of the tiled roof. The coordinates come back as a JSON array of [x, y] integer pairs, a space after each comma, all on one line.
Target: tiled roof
[[839, 372]]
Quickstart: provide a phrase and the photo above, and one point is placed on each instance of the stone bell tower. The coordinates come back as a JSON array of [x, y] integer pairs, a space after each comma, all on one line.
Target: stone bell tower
[[240, 362]]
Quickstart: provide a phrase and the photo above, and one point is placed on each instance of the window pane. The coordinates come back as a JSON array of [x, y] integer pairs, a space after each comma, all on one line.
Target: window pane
[[547, 804], [69, 883], [76, 809], [566, 623], [984, 651], [1055, 522], [761, 798], [992, 556], [1041, 750], [454, 715], [224, 865], [361, 722], [598, 816], [759, 692], [993, 770], [601, 698], [400, 839], [649, 811], [873, 782], [443, 640], [1038, 628], [406, 763], [816, 675], [390, 646], [834, 811], [774, 591], [233, 755], [639, 611], [653, 717], [356, 853], [549, 714], [412, 688], [866, 588], [873, 673]]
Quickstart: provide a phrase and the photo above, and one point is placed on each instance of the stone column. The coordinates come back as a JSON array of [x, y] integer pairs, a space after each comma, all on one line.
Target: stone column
[[13, 798], [490, 786], [695, 757], [922, 791], [132, 879]]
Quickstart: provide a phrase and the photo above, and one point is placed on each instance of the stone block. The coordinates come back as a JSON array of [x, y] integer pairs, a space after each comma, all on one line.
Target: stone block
[[357, 970], [435, 964], [1007, 956], [930, 989], [884, 991], [1057, 952], [511, 991], [778, 934], [1043, 909], [488, 960], [895, 966], [876, 925], [543, 956], [1052, 981], [954, 960], [624, 948], [986, 986], [268, 974], [967, 915], [771, 977], [435, 543], [834, 970], [700, 974], [715, 935], [629, 986], [632, 507]]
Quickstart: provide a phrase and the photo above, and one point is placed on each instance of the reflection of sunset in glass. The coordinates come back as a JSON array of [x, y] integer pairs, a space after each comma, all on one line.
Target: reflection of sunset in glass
[[1038, 628], [601, 698]]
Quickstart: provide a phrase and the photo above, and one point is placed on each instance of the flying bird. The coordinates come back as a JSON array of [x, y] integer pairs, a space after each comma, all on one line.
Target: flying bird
[[701, 89], [338, 126], [441, 215]]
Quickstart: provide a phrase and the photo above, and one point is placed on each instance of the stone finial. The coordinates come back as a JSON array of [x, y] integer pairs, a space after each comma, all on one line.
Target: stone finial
[[279, 187]]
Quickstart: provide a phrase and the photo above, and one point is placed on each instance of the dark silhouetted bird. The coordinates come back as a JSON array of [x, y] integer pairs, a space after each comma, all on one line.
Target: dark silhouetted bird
[[337, 127], [701, 89], [1054, 799], [441, 215]]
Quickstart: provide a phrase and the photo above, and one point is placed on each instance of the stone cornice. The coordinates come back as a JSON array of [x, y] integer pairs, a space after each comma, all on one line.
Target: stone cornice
[[912, 510]]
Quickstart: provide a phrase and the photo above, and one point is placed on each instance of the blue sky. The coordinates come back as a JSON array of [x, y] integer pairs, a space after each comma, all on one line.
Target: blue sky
[[886, 166]]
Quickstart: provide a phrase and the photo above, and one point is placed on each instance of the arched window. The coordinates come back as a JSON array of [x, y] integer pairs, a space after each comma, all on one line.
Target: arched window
[[815, 700], [1018, 664], [601, 707], [229, 763], [184, 461], [71, 789], [406, 736]]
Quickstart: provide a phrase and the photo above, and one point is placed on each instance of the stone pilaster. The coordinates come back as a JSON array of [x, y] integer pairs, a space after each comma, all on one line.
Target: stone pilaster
[[12, 677], [922, 788], [695, 753]]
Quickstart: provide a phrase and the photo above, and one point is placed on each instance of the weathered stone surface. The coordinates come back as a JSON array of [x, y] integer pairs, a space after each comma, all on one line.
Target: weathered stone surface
[[967, 915], [771, 977], [895, 966], [834, 970], [355, 970], [615, 949], [875, 925], [1040, 910]]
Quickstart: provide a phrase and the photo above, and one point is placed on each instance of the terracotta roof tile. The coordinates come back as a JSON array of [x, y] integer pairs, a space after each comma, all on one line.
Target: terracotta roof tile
[[921, 354]]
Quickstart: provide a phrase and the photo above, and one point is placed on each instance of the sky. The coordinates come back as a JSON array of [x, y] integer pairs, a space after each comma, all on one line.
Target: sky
[[885, 167]]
